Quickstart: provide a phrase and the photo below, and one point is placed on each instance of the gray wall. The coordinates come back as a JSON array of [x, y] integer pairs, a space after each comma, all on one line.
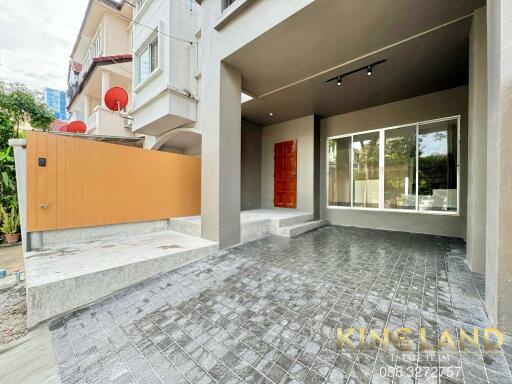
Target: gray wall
[[477, 142], [251, 166], [436, 105], [301, 130], [498, 267]]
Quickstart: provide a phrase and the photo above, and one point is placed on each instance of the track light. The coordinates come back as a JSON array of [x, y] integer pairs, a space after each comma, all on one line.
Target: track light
[[368, 68]]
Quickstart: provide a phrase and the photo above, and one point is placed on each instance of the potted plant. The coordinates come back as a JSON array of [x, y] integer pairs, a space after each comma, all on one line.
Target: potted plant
[[10, 225]]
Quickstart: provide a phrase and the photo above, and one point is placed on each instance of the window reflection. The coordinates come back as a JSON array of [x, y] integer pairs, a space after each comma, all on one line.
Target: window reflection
[[366, 170], [400, 168], [339, 171], [437, 167]]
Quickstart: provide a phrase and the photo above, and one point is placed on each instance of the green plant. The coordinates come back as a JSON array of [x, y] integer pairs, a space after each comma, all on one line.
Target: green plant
[[20, 104], [8, 196], [10, 221]]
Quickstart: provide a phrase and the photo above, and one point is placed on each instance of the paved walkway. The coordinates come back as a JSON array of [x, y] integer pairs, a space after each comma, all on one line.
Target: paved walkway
[[267, 312]]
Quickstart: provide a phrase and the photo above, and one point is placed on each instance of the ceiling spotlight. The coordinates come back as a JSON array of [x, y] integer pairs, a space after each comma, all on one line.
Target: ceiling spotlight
[[271, 114], [368, 68]]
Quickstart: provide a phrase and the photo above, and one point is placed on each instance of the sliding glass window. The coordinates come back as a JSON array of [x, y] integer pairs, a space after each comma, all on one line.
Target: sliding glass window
[[366, 170], [438, 176], [411, 168], [400, 168], [339, 172]]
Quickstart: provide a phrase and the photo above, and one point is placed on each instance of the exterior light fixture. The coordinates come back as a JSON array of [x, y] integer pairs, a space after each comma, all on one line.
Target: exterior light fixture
[[368, 68], [271, 114]]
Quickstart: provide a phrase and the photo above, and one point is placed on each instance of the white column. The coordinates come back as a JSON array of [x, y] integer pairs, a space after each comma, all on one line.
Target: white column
[[20, 161], [87, 106], [498, 267], [477, 139], [105, 85]]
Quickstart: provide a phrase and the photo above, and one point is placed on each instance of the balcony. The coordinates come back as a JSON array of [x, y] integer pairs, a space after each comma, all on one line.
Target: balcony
[[106, 122]]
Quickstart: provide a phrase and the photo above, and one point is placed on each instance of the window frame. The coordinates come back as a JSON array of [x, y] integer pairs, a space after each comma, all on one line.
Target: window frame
[[148, 42], [382, 169]]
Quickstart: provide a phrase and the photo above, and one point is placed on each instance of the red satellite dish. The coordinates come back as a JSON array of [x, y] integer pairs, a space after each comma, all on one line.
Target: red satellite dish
[[63, 128], [76, 126], [116, 99]]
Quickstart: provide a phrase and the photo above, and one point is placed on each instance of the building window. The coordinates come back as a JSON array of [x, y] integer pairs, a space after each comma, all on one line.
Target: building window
[[139, 4], [411, 168], [147, 61], [96, 45]]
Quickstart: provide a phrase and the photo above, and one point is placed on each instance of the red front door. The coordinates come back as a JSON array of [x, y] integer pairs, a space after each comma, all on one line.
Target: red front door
[[285, 174]]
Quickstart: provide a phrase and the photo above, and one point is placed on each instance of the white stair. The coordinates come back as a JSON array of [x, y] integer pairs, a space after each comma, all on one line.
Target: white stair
[[300, 228], [257, 224]]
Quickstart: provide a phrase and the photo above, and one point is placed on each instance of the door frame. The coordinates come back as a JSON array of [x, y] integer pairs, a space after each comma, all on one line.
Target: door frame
[[294, 141]]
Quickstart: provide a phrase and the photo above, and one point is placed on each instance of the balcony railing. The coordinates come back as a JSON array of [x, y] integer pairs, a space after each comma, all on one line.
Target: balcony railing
[[72, 90], [92, 122]]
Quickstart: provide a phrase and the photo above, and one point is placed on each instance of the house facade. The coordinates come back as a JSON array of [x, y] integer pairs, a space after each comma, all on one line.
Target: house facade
[[386, 115], [101, 59], [389, 115]]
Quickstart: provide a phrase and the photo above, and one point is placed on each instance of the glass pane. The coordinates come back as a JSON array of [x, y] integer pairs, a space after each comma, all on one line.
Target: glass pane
[[437, 167], [400, 168], [366, 170], [154, 55], [144, 65], [339, 171]]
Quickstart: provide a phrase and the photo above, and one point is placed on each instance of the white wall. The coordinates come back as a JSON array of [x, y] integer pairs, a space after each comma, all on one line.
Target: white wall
[[435, 105], [301, 130], [116, 35], [168, 98]]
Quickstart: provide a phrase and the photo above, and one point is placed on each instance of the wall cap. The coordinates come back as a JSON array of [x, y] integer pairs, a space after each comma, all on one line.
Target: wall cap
[[18, 142]]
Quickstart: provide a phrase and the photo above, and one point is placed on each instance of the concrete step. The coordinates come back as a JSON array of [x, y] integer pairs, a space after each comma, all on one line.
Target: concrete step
[[188, 225], [300, 228], [72, 275]]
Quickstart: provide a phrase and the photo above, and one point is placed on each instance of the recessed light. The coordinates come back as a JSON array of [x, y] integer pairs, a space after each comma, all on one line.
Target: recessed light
[[339, 81], [271, 114]]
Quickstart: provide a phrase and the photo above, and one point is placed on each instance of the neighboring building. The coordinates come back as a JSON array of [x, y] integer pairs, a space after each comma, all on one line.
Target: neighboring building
[[101, 59], [56, 101], [166, 75]]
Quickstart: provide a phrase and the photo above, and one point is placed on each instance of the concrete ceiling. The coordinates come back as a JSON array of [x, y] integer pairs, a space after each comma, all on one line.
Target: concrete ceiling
[[286, 68], [428, 64]]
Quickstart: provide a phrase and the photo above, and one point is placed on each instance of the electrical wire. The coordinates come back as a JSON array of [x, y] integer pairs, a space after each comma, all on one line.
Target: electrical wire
[[106, 6]]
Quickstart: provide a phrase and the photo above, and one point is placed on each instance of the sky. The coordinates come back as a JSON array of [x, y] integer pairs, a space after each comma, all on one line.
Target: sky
[[36, 39]]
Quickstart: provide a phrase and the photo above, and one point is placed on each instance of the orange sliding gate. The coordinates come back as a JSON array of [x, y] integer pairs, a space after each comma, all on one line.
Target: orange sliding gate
[[74, 183]]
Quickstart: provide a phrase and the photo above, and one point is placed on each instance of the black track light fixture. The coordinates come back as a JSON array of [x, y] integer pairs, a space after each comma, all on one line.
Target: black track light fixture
[[368, 68]]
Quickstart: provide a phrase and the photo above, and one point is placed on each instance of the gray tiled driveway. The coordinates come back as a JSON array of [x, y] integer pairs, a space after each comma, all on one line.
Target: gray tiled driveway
[[267, 312]]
